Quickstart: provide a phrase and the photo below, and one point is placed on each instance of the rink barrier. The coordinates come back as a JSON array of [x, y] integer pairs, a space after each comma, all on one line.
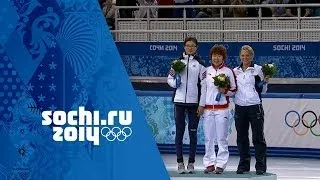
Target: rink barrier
[[293, 152]]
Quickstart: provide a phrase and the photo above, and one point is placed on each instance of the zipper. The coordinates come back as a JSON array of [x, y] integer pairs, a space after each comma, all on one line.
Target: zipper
[[245, 92], [214, 97], [185, 99]]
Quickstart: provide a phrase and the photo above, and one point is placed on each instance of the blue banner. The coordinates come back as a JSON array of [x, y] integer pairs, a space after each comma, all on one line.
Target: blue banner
[[67, 107], [294, 59]]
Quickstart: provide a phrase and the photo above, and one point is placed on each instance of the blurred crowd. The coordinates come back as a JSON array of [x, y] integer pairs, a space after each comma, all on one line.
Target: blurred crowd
[[108, 7]]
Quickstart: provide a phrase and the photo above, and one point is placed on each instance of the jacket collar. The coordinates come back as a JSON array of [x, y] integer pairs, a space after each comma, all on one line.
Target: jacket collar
[[221, 66], [250, 67], [185, 56]]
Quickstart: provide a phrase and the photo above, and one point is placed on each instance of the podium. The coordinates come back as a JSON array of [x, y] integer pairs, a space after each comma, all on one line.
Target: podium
[[227, 175]]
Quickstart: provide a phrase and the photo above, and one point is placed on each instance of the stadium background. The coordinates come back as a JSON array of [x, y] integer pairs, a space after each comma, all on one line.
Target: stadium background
[[147, 45]]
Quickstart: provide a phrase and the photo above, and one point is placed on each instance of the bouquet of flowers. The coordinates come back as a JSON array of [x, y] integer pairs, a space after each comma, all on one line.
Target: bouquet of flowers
[[221, 81], [178, 66], [269, 70]]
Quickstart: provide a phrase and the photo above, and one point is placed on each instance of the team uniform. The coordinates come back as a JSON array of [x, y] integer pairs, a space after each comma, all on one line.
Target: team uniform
[[216, 118], [187, 97], [249, 110]]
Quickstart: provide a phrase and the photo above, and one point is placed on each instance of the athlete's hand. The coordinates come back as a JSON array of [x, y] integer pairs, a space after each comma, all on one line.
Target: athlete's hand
[[200, 110], [266, 79], [222, 90]]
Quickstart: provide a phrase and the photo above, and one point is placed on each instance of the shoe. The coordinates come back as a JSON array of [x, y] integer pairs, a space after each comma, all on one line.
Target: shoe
[[242, 171], [219, 170], [190, 168], [181, 168], [260, 172], [209, 169]]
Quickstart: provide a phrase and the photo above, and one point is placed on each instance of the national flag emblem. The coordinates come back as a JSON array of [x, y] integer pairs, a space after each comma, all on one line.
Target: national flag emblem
[[171, 72], [204, 75]]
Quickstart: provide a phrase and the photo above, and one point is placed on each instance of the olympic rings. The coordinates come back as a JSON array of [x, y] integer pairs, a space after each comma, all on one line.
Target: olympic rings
[[313, 123], [296, 131], [295, 124], [315, 119], [116, 133]]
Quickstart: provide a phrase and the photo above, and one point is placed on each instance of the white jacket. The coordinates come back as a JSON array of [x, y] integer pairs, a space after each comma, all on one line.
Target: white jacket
[[247, 80], [212, 90], [194, 72]]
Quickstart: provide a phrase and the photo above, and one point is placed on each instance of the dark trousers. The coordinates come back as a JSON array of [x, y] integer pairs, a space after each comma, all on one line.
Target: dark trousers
[[180, 115], [255, 116]]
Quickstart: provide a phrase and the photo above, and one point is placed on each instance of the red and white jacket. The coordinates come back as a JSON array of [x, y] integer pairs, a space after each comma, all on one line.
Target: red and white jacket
[[212, 90]]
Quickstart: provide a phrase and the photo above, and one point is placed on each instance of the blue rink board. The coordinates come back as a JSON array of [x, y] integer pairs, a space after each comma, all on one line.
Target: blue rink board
[[266, 95], [272, 151]]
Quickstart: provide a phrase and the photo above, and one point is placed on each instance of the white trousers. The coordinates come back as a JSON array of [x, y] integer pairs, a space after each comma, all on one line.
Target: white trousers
[[215, 126]]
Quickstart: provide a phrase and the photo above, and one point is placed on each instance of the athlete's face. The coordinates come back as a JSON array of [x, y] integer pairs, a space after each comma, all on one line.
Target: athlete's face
[[190, 48], [216, 59], [245, 57]]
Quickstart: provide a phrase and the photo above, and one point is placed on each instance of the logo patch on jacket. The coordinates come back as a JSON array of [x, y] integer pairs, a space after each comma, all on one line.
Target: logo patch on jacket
[[204, 75]]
